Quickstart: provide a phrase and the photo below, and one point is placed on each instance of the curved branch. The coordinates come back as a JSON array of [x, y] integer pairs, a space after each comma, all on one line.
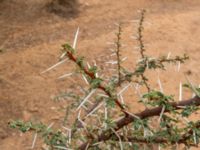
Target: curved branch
[[92, 76], [158, 140], [142, 115]]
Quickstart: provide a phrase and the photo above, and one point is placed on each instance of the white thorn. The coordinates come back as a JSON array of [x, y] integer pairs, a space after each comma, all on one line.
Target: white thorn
[[75, 39], [84, 78], [124, 89], [113, 54], [117, 24], [103, 95], [84, 107], [79, 118], [86, 98], [161, 114], [168, 55], [112, 62], [134, 37], [69, 133], [136, 47], [179, 66], [50, 125], [61, 62], [94, 109], [65, 75], [122, 99], [160, 84], [96, 143], [63, 54], [182, 107], [194, 136], [95, 64], [61, 147], [120, 141], [34, 141], [55, 65], [123, 59], [193, 95], [106, 111], [137, 89], [88, 65], [66, 128], [192, 86], [186, 120], [112, 50], [133, 115], [87, 146], [145, 132], [180, 92], [159, 147], [147, 63]]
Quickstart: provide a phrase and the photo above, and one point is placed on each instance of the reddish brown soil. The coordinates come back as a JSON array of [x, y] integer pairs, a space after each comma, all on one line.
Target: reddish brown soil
[[30, 38]]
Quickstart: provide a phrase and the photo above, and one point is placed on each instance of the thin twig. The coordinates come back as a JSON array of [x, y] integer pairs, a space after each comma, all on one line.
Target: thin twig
[[140, 36], [86, 98], [118, 49]]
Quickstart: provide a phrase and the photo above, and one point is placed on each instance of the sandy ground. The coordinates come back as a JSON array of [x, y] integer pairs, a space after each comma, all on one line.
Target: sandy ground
[[30, 38]]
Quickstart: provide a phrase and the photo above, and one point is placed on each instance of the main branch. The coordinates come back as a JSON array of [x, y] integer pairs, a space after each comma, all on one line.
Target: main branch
[[142, 115]]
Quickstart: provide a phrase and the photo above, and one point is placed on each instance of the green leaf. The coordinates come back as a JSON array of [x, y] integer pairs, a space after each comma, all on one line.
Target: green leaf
[[157, 98], [188, 110], [93, 69], [138, 123], [195, 89], [23, 127], [96, 82], [80, 62], [68, 48], [110, 102], [135, 146], [110, 123]]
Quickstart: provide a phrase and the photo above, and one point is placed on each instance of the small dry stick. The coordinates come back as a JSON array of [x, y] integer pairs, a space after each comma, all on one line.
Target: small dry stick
[[118, 45], [142, 48], [140, 36]]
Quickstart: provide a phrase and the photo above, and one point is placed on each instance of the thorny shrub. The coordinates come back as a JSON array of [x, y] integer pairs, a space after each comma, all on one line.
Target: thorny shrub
[[103, 120]]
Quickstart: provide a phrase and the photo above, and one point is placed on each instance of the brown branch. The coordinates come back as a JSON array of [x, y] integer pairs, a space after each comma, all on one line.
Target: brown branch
[[92, 76], [142, 115], [144, 79], [142, 47], [158, 140], [72, 57], [182, 140]]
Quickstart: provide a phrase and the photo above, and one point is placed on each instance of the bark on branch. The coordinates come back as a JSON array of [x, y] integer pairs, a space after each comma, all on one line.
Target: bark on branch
[[127, 119]]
